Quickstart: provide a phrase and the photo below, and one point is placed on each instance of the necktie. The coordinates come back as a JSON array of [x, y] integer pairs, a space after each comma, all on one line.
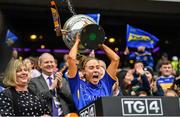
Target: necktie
[[54, 99], [50, 81]]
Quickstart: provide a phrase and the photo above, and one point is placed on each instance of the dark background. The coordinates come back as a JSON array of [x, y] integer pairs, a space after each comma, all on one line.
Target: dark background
[[26, 17]]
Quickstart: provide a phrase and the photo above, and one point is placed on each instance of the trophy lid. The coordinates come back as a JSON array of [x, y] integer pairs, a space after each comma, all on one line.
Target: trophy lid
[[92, 35]]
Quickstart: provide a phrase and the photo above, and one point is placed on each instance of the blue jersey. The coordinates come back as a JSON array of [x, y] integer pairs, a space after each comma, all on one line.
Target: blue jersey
[[144, 57], [165, 82], [84, 92]]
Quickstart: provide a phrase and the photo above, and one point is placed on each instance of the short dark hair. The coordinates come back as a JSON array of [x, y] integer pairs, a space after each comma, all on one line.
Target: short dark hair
[[165, 63]]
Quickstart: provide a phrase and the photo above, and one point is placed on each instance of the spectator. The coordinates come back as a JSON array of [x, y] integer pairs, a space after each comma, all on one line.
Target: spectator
[[166, 78], [53, 86], [103, 67], [164, 58], [170, 93], [116, 89], [142, 55], [142, 94], [14, 54], [140, 81], [56, 66], [125, 78], [85, 92], [18, 100], [64, 62], [33, 71], [175, 64], [155, 89], [176, 86]]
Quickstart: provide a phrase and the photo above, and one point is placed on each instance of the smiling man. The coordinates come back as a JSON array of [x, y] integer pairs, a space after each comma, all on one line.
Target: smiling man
[[53, 87]]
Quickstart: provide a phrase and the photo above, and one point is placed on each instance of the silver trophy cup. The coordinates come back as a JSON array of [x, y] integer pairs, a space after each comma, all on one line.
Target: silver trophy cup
[[91, 34]]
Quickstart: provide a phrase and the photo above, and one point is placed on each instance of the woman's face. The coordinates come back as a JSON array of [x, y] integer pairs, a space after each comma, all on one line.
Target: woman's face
[[92, 71], [148, 75], [22, 76], [128, 77]]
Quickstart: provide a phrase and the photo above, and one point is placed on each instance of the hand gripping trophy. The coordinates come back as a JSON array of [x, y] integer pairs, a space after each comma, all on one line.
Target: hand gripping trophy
[[91, 33]]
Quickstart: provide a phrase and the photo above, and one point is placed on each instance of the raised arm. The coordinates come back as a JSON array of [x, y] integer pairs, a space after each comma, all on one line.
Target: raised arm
[[113, 66], [72, 69]]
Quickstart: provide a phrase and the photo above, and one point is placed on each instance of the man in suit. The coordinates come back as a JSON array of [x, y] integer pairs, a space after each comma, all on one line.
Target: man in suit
[[52, 87]]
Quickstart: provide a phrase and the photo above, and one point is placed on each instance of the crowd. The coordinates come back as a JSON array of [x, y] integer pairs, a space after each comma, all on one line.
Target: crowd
[[36, 87]]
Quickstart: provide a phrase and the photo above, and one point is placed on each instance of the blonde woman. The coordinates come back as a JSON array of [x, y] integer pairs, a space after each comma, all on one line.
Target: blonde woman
[[17, 100], [94, 86]]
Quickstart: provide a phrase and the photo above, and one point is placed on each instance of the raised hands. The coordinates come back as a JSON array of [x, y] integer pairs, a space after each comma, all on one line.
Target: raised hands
[[139, 68]]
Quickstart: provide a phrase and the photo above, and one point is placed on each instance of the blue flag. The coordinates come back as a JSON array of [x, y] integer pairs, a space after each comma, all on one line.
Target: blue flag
[[96, 17], [10, 37], [137, 37]]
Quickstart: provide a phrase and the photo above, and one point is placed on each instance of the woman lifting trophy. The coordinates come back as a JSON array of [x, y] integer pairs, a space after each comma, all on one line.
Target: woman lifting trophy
[[81, 33]]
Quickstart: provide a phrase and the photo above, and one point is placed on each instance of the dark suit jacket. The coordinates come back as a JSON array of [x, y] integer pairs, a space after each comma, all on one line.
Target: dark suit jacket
[[39, 87]]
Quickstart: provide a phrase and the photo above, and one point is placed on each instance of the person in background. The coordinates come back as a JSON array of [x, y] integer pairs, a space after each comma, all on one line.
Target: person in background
[[141, 55], [53, 86], [155, 89], [176, 86], [103, 67], [170, 93], [56, 66], [166, 78], [33, 71], [142, 94], [175, 63], [140, 81], [63, 65], [64, 62], [17, 99], [164, 58], [34, 62], [14, 54], [116, 89], [85, 92], [125, 77]]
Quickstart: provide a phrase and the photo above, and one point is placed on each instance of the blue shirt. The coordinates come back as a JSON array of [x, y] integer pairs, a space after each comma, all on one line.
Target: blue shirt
[[84, 92], [144, 57]]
